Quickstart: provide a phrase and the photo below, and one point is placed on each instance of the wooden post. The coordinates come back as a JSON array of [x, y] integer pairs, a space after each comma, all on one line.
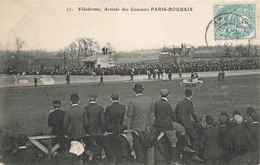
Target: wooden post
[[151, 155], [49, 148]]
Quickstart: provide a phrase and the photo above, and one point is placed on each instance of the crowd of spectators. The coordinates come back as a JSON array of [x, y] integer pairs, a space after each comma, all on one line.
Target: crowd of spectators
[[139, 68]]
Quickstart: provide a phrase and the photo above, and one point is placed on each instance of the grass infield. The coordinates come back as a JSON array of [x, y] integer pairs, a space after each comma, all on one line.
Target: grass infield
[[26, 109]]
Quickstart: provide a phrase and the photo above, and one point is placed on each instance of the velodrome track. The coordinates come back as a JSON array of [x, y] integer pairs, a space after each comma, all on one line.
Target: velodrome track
[[47, 80]]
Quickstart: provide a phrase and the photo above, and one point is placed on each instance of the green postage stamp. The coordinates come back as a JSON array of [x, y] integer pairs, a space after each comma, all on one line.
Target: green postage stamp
[[236, 21]]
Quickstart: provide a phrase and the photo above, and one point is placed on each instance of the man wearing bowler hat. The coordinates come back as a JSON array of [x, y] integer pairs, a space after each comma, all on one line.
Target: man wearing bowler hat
[[74, 119], [183, 111], [140, 111]]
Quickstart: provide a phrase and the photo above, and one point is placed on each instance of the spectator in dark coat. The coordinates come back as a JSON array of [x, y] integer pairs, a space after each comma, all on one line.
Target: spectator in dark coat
[[165, 121], [240, 137], [95, 125], [24, 156], [209, 141], [114, 121], [183, 111], [55, 120], [254, 131], [224, 139]]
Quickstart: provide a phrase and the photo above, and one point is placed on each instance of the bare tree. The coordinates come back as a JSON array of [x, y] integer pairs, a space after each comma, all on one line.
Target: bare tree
[[72, 50], [19, 45]]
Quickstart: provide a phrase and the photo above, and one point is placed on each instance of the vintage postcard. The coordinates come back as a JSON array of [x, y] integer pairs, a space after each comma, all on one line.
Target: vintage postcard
[[129, 82]]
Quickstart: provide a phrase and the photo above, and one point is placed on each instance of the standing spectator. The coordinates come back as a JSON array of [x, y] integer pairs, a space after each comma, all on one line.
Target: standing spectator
[[55, 121], [164, 121], [35, 81], [180, 72], [140, 111], [68, 78], [170, 75], [74, 120], [132, 76], [95, 126], [149, 74], [154, 73], [114, 121], [209, 141], [183, 111], [101, 82]]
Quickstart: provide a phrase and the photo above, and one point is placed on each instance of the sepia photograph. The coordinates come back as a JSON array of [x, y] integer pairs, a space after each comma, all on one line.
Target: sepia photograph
[[131, 82]]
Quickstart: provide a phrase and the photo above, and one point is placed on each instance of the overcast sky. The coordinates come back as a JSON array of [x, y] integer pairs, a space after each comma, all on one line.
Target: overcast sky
[[48, 26]]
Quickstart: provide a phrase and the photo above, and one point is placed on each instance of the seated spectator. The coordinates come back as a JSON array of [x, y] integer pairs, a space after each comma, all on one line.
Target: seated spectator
[[23, 154], [239, 137], [209, 142], [254, 130], [224, 139]]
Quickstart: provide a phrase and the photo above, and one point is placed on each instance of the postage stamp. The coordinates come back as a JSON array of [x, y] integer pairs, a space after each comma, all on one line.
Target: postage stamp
[[236, 21]]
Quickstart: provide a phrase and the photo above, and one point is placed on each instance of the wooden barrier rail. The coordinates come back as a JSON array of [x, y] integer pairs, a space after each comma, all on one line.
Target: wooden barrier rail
[[51, 150]]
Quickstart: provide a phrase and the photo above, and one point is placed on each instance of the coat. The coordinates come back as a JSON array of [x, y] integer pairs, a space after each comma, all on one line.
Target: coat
[[209, 140], [94, 119], [163, 115], [183, 111], [140, 110], [115, 117], [25, 156], [55, 121], [240, 137], [74, 122], [254, 131]]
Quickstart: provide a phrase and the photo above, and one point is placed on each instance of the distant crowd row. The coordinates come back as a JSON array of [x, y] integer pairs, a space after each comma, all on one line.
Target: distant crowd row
[[139, 68]]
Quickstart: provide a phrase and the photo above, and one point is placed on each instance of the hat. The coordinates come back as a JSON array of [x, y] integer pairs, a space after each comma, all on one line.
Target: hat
[[92, 96], [238, 119], [56, 102], [222, 119], [250, 111], [209, 119], [22, 139], [224, 113], [114, 96], [138, 87], [76, 148], [236, 113], [74, 96], [188, 93], [164, 92]]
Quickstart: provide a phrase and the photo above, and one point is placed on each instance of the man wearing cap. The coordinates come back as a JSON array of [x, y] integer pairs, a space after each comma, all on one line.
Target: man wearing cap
[[183, 111], [74, 119], [224, 138], [140, 111], [165, 121], [55, 120], [94, 120], [114, 116], [209, 142]]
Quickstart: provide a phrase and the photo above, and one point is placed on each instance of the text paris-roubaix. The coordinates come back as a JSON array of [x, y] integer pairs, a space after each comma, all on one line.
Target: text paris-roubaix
[[137, 9]]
